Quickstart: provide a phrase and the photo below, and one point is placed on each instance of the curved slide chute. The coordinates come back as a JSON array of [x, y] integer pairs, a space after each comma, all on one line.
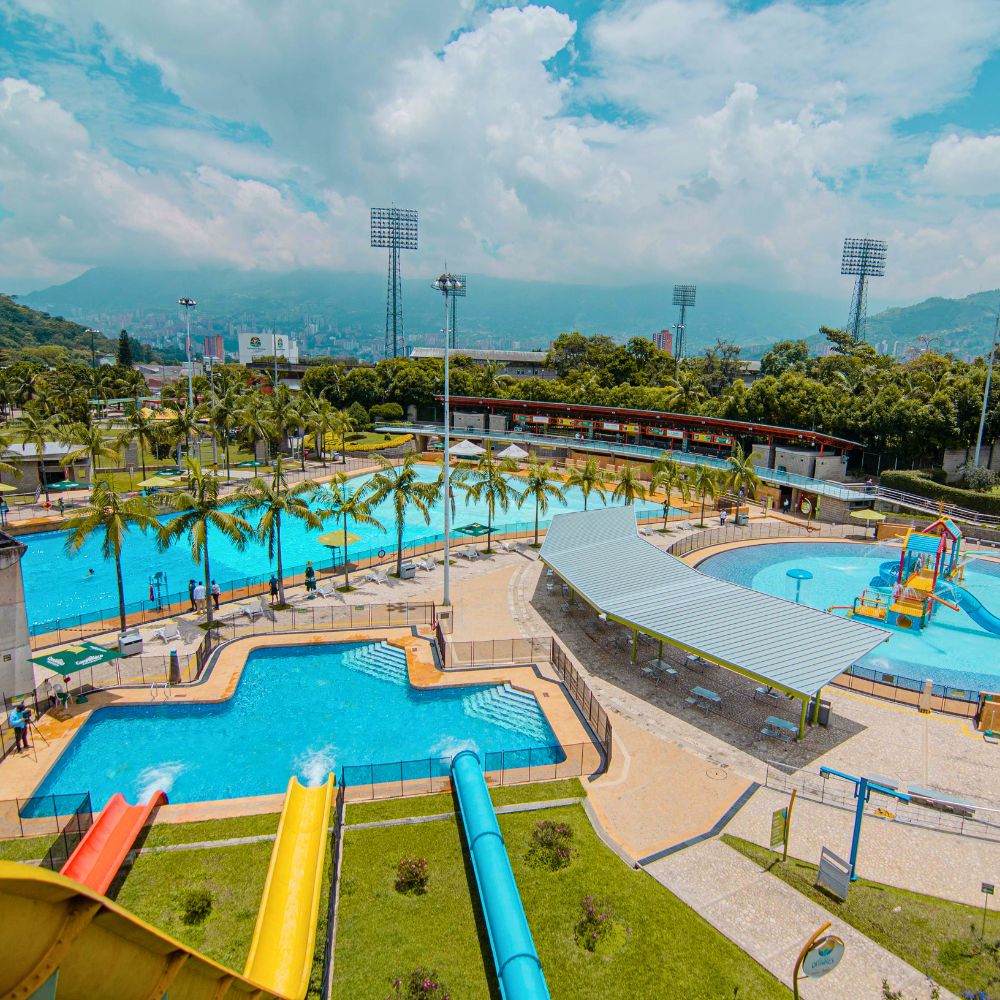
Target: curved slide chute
[[519, 970], [102, 851], [281, 952], [973, 607]]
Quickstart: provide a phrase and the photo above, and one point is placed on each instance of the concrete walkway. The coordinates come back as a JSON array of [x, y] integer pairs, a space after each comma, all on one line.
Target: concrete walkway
[[770, 921]]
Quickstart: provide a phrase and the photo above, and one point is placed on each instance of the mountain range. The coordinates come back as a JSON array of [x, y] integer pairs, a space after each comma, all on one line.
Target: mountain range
[[506, 313]]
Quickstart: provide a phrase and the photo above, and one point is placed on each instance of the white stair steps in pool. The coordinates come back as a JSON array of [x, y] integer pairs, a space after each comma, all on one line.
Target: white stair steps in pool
[[505, 706], [379, 660]]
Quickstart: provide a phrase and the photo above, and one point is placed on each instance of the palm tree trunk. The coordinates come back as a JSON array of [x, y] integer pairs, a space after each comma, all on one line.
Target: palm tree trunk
[[228, 477], [208, 582], [489, 527], [281, 574], [399, 548], [586, 497], [343, 448], [142, 458], [347, 572], [702, 522], [121, 591], [536, 522]]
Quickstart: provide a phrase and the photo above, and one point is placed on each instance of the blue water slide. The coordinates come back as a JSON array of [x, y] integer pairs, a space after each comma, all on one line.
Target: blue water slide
[[971, 605], [519, 971]]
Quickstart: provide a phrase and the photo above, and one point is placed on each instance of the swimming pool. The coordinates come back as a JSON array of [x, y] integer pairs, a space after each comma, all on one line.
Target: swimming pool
[[303, 710], [59, 586], [952, 650]]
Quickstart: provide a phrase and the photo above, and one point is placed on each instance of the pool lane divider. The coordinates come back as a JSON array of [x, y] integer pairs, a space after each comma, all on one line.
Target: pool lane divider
[[519, 971]]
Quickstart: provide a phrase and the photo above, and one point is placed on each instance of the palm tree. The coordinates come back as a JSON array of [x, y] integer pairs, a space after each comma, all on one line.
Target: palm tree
[[274, 499], [111, 515], [588, 479], [324, 419], [343, 425], [706, 484], [93, 446], [488, 478], [540, 485], [223, 419], [6, 452], [669, 475], [489, 379], [37, 430], [338, 501], [404, 488], [628, 487], [741, 473], [181, 427], [140, 428], [254, 420], [200, 507]]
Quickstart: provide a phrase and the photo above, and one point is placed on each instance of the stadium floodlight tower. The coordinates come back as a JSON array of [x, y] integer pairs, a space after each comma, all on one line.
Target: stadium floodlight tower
[[395, 229], [458, 292], [864, 258], [684, 296], [188, 305]]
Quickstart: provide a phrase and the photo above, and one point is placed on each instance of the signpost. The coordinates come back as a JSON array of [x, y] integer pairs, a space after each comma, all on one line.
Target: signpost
[[834, 874], [781, 820], [822, 954], [986, 888]]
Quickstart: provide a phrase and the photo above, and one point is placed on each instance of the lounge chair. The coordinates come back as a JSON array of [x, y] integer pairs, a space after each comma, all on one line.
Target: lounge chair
[[376, 576], [252, 611], [504, 547], [167, 633], [428, 564], [644, 531]]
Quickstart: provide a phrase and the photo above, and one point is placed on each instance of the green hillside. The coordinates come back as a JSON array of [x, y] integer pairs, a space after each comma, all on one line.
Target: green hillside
[[36, 336]]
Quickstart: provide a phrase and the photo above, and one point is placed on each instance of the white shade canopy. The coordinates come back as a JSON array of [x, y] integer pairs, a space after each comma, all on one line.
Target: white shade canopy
[[466, 449], [513, 452]]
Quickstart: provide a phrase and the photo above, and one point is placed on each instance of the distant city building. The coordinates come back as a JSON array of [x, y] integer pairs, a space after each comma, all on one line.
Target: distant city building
[[254, 346], [514, 364], [213, 347], [664, 340]]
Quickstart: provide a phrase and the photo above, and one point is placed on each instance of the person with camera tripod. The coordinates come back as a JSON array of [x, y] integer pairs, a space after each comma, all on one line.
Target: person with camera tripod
[[19, 718]]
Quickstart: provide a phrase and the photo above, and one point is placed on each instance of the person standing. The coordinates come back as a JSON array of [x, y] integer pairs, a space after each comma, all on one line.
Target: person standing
[[273, 586], [19, 723], [50, 693], [194, 607], [216, 591], [199, 597], [310, 577]]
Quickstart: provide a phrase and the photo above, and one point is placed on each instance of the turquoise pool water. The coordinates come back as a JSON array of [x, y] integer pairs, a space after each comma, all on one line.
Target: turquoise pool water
[[59, 586], [953, 650], [303, 710]]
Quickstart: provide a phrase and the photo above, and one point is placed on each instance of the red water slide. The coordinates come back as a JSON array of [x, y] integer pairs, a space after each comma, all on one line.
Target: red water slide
[[104, 847]]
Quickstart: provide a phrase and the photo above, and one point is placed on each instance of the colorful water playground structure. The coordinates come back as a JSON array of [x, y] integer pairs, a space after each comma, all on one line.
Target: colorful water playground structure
[[64, 940], [930, 573]]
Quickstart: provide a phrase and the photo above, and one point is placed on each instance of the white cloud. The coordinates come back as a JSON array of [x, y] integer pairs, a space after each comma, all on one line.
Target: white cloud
[[964, 166]]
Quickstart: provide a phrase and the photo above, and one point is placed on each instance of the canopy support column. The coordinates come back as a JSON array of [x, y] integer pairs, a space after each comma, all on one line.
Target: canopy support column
[[802, 718], [635, 645], [659, 654], [815, 711]]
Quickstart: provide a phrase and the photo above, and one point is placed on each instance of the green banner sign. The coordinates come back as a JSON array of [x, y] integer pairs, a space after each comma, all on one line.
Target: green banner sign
[[779, 826]]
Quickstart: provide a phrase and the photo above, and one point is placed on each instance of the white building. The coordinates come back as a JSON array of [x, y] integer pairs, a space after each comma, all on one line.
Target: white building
[[254, 346]]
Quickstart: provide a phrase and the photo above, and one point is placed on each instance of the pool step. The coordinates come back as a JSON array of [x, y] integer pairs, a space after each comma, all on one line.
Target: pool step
[[387, 663], [504, 706]]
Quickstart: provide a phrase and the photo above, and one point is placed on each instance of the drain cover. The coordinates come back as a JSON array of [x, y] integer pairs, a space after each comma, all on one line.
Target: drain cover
[[716, 773]]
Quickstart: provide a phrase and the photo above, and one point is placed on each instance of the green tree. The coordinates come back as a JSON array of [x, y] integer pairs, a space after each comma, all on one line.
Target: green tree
[[124, 355], [705, 483], [338, 500], [37, 429], [541, 486], [628, 487], [741, 473], [111, 516], [140, 428], [670, 476], [488, 480], [784, 355], [223, 418], [200, 508], [588, 479], [359, 416], [274, 500], [93, 445], [402, 486]]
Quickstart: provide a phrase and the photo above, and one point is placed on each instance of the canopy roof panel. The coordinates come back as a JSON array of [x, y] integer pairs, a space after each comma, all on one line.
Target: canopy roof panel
[[600, 555]]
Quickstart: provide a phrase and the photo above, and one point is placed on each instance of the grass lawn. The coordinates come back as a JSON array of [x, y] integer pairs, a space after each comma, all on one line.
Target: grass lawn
[[161, 834], [155, 886], [26, 848], [433, 805], [661, 948], [936, 936]]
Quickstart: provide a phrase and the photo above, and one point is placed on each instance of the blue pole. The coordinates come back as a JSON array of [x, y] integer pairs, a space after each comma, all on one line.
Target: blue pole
[[862, 790]]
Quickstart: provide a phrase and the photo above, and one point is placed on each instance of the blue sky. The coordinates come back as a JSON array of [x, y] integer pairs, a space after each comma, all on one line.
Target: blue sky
[[673, 140]]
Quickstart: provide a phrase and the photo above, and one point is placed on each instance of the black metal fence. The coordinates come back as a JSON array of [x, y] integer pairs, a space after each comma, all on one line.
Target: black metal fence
[[487, 652], [67, 816], [584, 698]]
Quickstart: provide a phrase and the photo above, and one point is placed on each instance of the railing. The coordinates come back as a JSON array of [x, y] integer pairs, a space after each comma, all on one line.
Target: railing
[[771, 528], [936, 508], [333, 902], [66, 816], [584, 698], [984, 823], [366, 782]]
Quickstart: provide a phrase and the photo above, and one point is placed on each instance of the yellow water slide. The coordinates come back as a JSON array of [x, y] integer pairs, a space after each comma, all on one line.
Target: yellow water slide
[[281, 953]]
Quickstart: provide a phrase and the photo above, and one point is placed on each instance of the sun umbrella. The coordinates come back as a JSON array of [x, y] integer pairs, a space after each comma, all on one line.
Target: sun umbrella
[[65, 485], [868, 516], [338, 539], [157, 481], [513, 452], [466, 449], [4, 488], [474, 530]]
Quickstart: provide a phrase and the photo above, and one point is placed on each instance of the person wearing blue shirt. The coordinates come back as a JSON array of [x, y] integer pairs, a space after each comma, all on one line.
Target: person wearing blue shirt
[[19, 723]]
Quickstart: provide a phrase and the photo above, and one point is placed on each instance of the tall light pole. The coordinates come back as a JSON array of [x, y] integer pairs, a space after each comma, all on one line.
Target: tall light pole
[[448, 285], [93, 349], [189, 304], [986, 391]]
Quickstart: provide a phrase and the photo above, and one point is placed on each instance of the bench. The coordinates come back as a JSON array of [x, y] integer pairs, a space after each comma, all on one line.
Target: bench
[[695, 663], [877, 779], [941, 800], [766, 694]]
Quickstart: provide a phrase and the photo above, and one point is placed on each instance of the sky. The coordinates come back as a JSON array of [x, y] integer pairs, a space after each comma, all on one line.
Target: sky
[[639, 140]]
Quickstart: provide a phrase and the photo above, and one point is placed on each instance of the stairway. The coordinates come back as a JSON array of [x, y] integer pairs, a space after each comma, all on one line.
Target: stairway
[[504, 706], [378, 659]]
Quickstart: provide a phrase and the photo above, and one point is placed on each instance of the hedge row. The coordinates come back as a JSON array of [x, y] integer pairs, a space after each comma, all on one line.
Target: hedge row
[[914, 482]]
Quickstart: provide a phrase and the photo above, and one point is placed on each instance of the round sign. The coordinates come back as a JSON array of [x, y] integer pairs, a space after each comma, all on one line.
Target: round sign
[[805, 506], [823, 957]]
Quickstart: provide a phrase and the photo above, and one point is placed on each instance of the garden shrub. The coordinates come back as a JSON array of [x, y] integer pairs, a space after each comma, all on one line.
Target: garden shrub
[[418, 985], [597, 922], [359, 416], [978, 478], [412, 875], [386, 413], [550, 844], [196, 905]]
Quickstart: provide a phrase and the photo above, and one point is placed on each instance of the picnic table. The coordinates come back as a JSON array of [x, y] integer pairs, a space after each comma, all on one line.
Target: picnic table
[[704, 698], [658, 669], [780, 728], [766, 694], [695, 663], [941, 800]]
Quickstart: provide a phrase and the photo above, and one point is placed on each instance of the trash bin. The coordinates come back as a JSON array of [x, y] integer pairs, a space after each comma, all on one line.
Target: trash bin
[[129, 643], [742, 519], [407, 571], [823, 718]]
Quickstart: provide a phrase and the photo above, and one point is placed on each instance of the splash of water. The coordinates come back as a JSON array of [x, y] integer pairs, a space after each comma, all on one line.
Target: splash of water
[[158, 777], [314, 765], [448, 746]]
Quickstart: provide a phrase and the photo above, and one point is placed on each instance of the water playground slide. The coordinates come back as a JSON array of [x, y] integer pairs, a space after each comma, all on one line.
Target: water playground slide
[[974, 608], [62, 940], [281, 953], [519, 971], [97, 858]]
